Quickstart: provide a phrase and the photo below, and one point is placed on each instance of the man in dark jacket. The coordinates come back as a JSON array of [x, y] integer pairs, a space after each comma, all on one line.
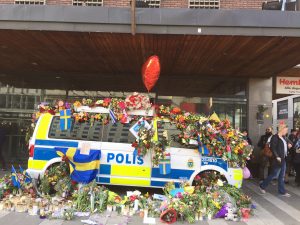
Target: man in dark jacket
[[264, 160], [291, 154], [296, 161], [279, 146]]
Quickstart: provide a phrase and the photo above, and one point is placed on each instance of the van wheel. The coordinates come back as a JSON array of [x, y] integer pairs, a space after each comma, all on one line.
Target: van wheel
[[208, 177], [52, 166]]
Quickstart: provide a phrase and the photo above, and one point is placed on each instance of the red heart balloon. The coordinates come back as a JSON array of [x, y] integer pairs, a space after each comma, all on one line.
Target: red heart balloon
[[150, 72]]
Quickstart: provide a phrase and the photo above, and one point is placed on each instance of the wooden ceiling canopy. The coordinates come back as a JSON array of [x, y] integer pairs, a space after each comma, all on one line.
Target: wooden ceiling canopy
[[112, 61]]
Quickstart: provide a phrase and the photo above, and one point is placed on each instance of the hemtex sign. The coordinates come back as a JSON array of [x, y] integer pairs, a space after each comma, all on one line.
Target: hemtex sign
[[288, 85]]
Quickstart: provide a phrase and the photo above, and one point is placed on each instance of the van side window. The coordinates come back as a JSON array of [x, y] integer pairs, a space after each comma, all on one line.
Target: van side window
[[117, 132], [120, 133], [55, 132], [171, 130]]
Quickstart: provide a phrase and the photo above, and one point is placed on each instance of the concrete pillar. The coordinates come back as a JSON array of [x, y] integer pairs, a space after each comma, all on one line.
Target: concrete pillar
[[259, 93]]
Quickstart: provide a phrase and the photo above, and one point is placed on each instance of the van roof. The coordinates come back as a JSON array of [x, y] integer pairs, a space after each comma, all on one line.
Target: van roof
[[103, 110]]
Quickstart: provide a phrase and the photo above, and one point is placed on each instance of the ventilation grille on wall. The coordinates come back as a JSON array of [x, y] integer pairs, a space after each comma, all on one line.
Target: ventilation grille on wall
[[88, 2], [204, 4], [30, 2]]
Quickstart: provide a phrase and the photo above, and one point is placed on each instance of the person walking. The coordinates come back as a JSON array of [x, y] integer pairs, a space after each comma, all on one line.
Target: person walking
[[246, 136], [279, 147], [2, 140], [265, 161], [296, 161], [293, 138]]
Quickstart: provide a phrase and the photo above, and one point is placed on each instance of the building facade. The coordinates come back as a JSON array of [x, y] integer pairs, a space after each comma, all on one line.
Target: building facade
[[216, 55], [207, 4]]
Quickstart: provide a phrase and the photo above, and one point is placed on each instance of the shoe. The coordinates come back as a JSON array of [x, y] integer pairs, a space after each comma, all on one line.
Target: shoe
[[286, 195], [273, 182], [262, 190]]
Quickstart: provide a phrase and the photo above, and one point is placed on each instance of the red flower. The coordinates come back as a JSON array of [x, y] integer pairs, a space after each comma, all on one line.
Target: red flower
[[106, 101], [73, 182], [133, 198], [122, 105], [134, 144], [176, 110]]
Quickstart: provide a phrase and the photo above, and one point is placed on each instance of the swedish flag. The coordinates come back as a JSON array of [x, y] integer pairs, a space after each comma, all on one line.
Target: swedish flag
[[165, 165], [202, 148], [83, 168], [14, 177], [26, 175], [65, 119]]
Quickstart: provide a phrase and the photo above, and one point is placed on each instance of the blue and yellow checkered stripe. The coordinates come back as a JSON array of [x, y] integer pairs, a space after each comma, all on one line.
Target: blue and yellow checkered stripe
[[138, 175]]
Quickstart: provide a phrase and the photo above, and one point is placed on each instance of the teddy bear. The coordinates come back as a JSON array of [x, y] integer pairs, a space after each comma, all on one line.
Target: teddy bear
[[231, 213]]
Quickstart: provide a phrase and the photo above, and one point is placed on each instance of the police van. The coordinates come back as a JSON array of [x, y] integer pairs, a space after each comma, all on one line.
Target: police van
[[119, 165]]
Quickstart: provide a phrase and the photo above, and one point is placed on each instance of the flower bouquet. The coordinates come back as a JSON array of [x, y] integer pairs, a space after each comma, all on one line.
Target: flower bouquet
[[169, 216], [137, 101]]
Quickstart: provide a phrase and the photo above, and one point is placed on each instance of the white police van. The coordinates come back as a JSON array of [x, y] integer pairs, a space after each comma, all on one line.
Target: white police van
[[119, 165]]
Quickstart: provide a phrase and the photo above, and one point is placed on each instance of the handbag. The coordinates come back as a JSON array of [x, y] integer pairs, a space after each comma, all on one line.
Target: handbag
[[267, 151]]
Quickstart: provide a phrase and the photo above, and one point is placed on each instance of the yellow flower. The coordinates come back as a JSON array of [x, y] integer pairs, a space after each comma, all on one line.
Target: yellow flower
[[217, 204], [77, 104], [236, 150]]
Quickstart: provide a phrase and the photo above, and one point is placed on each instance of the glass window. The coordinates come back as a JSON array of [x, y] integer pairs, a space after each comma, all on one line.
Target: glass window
[[30, 102], [2, 101], [233, 109], [282, 110], [117, 132], [171, 131], [16, 101], [296, 113]]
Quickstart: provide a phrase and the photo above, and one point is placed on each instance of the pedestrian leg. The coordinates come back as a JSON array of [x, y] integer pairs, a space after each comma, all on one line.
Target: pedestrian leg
[[273, 174], [281, 188]]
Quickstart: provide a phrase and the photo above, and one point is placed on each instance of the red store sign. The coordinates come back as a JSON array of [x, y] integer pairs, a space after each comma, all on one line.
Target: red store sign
[[287, 85]]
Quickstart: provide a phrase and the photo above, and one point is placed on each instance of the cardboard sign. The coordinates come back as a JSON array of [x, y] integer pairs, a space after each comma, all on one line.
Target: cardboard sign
[[85, 148], [136, 127], [159, 197]]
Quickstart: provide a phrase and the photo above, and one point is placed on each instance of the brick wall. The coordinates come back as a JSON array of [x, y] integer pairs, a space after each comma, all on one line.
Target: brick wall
[[240, 4], [174, 3], [58, 2], [224, 4], [116, 3], [7, 1]]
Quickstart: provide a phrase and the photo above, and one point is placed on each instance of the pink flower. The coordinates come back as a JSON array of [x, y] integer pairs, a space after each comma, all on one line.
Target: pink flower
[[197, 177], [60, 103], [122, 105]]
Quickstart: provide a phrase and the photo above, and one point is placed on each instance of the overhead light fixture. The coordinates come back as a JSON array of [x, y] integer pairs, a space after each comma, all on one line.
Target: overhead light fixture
[[297, 66], [57, 77], [34, 63]]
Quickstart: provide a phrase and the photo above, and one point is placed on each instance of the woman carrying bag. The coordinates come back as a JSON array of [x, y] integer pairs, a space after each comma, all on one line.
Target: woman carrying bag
[[279, 147]]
